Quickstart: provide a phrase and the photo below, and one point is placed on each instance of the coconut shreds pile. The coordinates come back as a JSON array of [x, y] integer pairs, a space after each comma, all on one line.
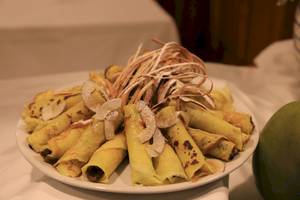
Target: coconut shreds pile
[[150, 80]]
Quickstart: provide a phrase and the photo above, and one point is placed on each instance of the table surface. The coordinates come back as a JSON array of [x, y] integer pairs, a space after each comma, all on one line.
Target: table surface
[[21, 181]]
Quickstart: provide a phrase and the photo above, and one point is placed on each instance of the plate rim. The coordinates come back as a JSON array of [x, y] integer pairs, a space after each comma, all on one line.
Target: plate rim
[[27, 153]]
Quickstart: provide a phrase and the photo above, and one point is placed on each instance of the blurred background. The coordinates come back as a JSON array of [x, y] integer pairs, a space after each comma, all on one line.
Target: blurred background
[[231, 31], [53, 36]]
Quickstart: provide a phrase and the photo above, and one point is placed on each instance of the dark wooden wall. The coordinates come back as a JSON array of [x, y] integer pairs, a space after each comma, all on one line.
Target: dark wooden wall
[[230, 31]]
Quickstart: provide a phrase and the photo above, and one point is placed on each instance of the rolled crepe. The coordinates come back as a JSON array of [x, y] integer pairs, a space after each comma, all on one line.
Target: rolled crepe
[[71, 97], [224, 150], [222, 99], [106, 159], [213, 145], [71, 162], [240, 120], [58, 145], [168, 166], [245, 138], [54, 127], [31, 114], [206, 121], [187, 150], [72, 100], [33, 124], [34, 108], [142, 170]]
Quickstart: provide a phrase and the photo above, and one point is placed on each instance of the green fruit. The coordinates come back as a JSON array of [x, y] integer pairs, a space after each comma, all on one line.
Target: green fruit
[[276, 161]]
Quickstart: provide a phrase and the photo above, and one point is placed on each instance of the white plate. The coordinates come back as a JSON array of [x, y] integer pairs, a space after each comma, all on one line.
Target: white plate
[[120, 181]]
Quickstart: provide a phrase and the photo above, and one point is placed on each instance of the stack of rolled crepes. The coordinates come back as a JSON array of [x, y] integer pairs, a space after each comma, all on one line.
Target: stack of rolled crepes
[[160, 118], [75, 143]]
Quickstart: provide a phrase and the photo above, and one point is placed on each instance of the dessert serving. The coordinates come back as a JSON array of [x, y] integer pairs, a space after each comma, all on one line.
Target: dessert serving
[[161, 112]]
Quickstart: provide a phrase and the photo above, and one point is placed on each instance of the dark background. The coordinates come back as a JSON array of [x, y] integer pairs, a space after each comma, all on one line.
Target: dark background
[[230, 31]]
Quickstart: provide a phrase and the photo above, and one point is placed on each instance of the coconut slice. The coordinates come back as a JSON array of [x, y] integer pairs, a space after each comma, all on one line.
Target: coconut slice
[[109, 129], [148, 118], [112, 115], [107, 107], [112, 118], [217, 165], [157, 147], [187, 99], [70, 92], [165, 117], [88, 88], [111, 123], [97, 126], [53, 109], [81, 123]]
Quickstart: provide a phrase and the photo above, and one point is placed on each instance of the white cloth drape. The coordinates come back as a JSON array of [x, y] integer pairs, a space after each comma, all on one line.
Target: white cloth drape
[[53, 36]]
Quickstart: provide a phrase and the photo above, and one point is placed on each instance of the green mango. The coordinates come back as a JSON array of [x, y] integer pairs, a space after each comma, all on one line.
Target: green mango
[[276, 160]]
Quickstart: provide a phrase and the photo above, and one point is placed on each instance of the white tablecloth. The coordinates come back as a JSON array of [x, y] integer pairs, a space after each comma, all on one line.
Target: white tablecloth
[[53, 36], [273, 83]]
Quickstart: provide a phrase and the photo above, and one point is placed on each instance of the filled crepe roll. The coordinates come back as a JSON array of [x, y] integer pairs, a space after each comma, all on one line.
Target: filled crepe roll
[[71, 96], [38, 139], [213, 145], [71, 162], [106, 159], [32, 124], [142, 170], [237, 119], [58, 145], [168, 166], [34, 108], [45, 100], [245, 138], [32, 112], [187, 150], [240, 120], [206, 121], [222, 99]]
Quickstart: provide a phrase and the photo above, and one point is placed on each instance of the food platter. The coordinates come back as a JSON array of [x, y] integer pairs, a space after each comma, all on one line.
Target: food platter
[[120, 181]]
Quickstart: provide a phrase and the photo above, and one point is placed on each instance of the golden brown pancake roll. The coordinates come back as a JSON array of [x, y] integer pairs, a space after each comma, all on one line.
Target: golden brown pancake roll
[[71, 162], [38, 139], [58, 145], [204, 120], [142, 170], [168, 166], [106, 159], [187, 150], [213, 145]]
